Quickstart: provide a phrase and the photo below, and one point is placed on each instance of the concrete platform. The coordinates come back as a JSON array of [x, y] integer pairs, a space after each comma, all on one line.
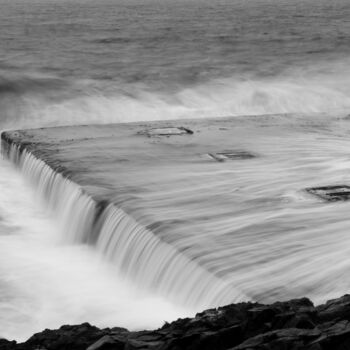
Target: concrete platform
[[228, 194]]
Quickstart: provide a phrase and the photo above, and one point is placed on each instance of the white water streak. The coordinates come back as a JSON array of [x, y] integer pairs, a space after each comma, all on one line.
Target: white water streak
[[138, 254]]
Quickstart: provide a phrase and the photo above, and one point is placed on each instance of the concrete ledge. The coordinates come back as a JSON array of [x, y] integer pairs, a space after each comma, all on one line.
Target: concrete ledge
[[133, 175], [225, 201]]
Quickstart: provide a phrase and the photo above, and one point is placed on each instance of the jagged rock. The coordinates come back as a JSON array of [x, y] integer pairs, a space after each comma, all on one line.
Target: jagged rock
[[335, 309], [7, 345], [108, 342], [66, 338], [286, 339], [290, 325]]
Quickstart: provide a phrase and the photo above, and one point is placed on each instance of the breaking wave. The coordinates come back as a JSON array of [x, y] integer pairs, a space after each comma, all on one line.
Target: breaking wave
[[49, 101]]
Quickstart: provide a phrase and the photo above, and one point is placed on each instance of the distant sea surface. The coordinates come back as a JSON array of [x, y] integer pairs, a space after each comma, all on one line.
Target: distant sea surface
[[113, 60], [71, 62]]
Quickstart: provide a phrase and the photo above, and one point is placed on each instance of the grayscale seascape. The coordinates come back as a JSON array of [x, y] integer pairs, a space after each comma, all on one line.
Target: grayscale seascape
[[280, 68]]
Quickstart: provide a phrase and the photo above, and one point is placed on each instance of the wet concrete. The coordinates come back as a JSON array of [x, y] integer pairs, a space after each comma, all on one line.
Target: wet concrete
[[228, 193]]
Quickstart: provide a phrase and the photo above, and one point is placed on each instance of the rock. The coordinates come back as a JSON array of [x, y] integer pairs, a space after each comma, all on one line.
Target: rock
[[336, 336], [108, 342], [290, 325], [286, 339], [66, 338], [7, 345], [335, 309]]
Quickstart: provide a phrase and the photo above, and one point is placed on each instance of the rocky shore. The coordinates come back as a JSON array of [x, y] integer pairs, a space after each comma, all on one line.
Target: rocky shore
[[294, 324]]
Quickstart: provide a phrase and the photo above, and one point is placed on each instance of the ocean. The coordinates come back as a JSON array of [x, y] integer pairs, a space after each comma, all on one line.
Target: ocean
[[72, 62]]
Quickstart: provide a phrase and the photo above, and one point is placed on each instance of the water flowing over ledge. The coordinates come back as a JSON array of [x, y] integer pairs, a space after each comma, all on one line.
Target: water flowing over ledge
[[203, 218], [138, 253]]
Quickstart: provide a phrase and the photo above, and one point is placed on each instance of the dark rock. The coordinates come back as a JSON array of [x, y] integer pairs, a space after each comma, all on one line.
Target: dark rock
[[66, 338], [7, 345], [290, 325], [108, 342], [283, 339], [335, 309]]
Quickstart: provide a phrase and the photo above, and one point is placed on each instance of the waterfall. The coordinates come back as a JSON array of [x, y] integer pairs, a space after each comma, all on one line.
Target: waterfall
[[141, 257]]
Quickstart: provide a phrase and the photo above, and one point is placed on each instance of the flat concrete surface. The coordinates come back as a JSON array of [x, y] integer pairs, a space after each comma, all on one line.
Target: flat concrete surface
[[230, 195]]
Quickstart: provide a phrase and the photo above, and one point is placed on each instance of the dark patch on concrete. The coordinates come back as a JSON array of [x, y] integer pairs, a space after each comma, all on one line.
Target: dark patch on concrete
[[331, 193], [231, 155], [166, 131]]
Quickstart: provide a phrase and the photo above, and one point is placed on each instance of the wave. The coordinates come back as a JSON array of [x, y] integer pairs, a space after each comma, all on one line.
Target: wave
[[50, 101]]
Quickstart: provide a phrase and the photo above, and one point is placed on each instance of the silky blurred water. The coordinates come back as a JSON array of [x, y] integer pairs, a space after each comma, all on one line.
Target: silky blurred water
[[80, 62]]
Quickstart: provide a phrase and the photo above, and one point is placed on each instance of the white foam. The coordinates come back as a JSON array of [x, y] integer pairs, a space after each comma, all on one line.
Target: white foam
[[46, 281], [322, 88]]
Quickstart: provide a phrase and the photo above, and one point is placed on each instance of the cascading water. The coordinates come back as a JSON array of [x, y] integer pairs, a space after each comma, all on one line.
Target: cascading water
[[75, 210], [46, 281], [159, 266], [136, 252]]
